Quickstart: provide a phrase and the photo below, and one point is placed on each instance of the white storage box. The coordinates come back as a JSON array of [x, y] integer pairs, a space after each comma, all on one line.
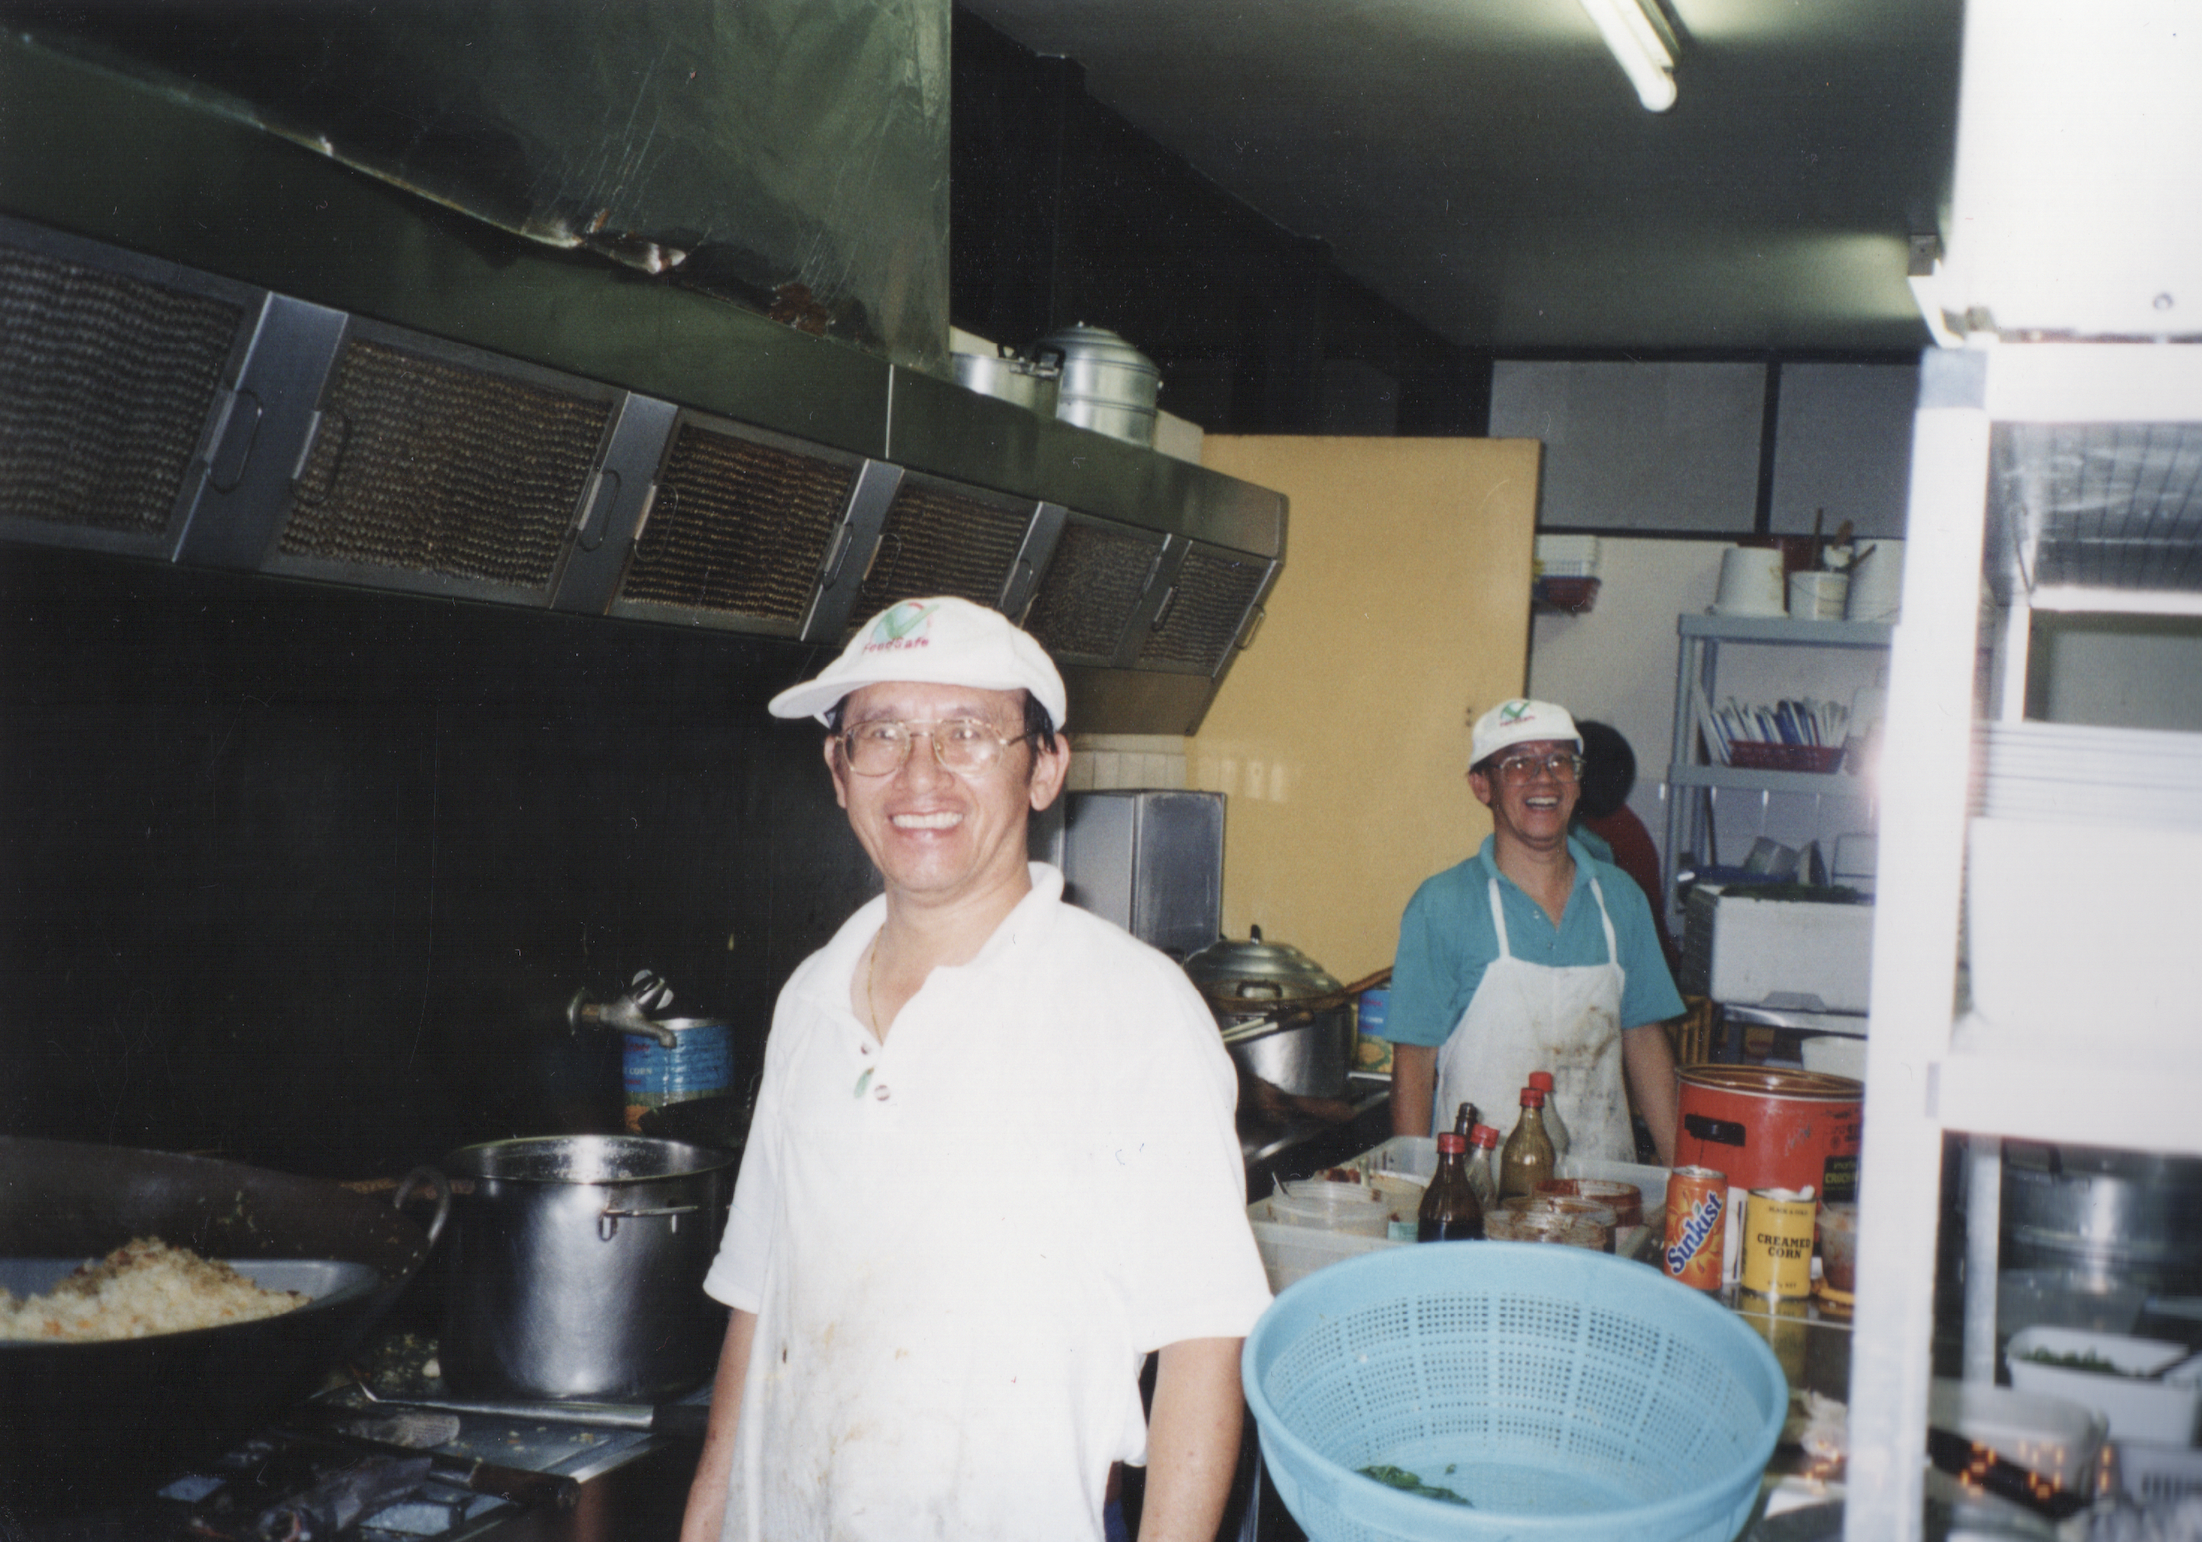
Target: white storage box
[[1745, 951], [2163, 1411], [2055, 1437], [2083, 931]]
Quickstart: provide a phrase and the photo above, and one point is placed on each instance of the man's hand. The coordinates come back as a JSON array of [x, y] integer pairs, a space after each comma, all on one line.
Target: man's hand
[[1648, 1059], [706, 1512], [1192, 1440]]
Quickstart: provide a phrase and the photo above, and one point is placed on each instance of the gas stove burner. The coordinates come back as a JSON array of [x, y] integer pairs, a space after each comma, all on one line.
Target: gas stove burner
[[278, 1493], [335, 1468], [271, 1488]]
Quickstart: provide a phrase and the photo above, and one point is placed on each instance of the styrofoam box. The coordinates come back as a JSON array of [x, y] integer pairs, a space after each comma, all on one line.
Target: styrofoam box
[[2160, 1411], [2054, 1436], [1790, 953], [2072, 926]]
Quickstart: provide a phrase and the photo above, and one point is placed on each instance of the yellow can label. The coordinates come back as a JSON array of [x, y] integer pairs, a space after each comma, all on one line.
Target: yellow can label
[[1777, 1243], [1372, 1054]]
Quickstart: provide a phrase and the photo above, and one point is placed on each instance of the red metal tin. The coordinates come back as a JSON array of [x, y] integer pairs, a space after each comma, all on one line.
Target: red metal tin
[[1769, 1129]]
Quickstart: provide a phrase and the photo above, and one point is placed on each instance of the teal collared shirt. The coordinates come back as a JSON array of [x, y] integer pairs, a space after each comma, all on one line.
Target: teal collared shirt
[[1446, 941]]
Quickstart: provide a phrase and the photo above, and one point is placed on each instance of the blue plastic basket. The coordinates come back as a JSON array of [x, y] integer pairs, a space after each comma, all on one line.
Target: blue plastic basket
[[1563, 1393]]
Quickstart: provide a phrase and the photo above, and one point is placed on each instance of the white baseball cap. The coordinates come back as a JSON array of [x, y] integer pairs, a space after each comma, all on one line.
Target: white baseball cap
[[1520, 721], [937, 641]]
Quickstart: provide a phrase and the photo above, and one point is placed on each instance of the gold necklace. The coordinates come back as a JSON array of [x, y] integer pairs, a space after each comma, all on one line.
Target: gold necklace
[[871, 973]]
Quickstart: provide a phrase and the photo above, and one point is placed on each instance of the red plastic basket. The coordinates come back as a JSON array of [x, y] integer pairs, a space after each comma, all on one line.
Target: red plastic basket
[[1758, 755]]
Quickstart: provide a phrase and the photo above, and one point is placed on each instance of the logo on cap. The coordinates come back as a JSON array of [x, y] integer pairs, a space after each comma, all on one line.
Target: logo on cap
[[1513, 711], [895, 625]]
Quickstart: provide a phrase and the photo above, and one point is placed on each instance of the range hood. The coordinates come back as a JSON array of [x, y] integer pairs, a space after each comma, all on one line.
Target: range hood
[[464, 420]]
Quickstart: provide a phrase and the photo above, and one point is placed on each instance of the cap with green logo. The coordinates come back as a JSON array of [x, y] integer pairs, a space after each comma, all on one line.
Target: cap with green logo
[[1520, 721], [937, 641]]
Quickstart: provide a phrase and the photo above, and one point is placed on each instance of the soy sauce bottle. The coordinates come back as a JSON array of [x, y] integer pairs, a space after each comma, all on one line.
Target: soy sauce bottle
[[1450, 1210], [1526, 1160], [1554, 1126], [1482, 1141]]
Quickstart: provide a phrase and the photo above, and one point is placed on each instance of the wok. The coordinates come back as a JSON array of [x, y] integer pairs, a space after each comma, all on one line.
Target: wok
[[132, 1404]]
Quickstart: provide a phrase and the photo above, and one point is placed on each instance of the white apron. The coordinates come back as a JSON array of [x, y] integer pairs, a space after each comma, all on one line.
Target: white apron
[[1538, 1017]]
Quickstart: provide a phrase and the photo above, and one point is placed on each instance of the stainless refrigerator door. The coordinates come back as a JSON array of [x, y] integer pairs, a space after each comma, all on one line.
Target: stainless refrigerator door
[[1149, 860]]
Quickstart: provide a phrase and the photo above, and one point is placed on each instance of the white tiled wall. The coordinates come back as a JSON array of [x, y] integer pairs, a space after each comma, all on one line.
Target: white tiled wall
[[1102, 761]]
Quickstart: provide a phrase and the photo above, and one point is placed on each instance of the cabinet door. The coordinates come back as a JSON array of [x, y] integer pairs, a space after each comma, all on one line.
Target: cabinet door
[[1340, 737]]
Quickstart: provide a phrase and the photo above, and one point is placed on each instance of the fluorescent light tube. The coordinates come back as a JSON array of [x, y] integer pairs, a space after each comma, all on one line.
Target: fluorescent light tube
[[1638, 48]]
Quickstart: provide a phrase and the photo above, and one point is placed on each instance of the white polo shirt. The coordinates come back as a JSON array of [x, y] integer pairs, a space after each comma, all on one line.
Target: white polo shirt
[[962, 1243]]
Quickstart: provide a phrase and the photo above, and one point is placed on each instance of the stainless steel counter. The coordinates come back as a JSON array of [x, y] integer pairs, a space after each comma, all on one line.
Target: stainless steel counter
[[1291, 1138]]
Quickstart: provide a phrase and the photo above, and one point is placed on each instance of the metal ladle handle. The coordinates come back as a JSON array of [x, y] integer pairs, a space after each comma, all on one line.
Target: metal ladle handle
[[427, 1177], [621, 1016]]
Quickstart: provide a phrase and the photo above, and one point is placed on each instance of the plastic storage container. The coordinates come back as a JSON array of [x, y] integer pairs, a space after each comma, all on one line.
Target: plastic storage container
[[1290, 1253], [2158, 1475], [2163, 1410], [1346, 1207], [2054, 1436]]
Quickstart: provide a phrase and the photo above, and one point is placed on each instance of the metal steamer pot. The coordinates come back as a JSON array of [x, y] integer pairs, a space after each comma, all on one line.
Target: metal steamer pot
[[576, 1267], [2106, 1220], [1285, 1018], [126, 1405], [1030, 380], [1108, 385]]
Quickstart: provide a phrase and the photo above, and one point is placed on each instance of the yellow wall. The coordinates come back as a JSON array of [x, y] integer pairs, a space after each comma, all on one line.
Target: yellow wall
[[1340, 738]]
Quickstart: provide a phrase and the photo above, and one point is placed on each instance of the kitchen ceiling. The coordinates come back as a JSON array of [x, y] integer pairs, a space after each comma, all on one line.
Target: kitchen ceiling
[[1485, 166]]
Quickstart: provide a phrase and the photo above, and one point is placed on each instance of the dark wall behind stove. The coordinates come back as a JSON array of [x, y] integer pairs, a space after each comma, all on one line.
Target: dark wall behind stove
[[304, 876]]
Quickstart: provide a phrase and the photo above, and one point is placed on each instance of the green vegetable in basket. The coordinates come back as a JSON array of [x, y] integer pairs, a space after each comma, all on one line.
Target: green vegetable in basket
[[2084, 1360], [1411, 1483]]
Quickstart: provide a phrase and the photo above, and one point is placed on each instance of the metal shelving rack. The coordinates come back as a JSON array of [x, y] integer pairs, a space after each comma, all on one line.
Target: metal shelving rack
[[2063, 476], [1691, 782]]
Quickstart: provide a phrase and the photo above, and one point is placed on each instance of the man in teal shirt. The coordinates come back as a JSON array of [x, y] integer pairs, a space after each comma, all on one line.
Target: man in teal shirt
[[1533, 955]]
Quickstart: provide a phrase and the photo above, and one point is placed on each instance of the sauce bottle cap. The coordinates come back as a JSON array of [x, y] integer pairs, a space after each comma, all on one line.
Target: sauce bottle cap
[[1484, 1135], [1542, 1081], [1532, 1098]]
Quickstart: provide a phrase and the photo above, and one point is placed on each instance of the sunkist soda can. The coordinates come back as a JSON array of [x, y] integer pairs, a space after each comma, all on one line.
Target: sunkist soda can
[[1697, 1205]]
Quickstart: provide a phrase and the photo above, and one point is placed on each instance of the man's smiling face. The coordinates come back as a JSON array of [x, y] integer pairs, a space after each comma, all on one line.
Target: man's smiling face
[[1534, 812], [937, 837]]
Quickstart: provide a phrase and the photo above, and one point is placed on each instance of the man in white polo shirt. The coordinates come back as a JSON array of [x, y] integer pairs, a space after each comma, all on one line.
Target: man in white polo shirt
[[993, 1163]]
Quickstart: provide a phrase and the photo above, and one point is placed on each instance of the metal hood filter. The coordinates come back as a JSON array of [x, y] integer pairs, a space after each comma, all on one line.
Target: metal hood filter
[[155, 410]]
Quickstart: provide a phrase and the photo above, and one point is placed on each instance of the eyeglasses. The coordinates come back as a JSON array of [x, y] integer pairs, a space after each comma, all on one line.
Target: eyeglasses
[[964, 745], [1560, 766]]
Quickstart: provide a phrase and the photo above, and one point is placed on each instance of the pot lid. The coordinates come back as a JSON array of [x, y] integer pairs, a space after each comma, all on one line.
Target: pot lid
[[1231, 970], [1043, 360]]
